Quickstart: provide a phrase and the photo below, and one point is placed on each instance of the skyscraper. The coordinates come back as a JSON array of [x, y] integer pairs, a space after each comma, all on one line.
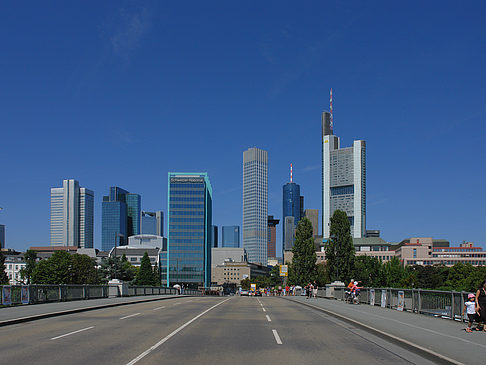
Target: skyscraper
[[313, 216], [214, 237], [72, 215], [290, 208], [189, 229], [153, 223], [120, 217], [134, 211], [230, 236], [2, 236], [272, 236], [255, 204], [343, 179]]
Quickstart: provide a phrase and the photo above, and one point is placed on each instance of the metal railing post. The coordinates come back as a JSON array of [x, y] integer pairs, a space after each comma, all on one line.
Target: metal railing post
[[453, 312]]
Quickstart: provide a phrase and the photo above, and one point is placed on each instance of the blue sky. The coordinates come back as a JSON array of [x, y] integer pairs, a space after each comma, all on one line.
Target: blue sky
[[120, 93]]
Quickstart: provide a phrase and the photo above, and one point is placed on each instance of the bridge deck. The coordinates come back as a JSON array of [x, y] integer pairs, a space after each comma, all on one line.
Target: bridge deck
[[442, 336]]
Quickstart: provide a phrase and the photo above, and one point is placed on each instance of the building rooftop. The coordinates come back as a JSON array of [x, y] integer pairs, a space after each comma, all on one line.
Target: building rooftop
[[370, 241]]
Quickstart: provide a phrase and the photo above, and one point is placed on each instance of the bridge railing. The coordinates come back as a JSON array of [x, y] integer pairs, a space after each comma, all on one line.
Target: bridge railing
[[439, 303], [36, 294]]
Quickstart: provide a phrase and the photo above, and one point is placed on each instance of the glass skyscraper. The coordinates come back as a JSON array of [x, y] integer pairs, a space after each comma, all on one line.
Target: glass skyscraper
[[255, 204], [72, 215], [291, 208], [189, 229], [153, 223], [343, 180], [230, 236], [120, 217]]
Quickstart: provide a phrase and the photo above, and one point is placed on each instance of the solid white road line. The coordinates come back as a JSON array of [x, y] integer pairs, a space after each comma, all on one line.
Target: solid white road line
[[264, 309], [72, 333], [277, 337], [156, 309], [131, 315], [145, 353], [268, 319]]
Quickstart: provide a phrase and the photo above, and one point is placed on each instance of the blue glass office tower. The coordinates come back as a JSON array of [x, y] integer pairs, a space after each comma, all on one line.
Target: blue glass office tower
[[291, 208], [120, 217], [189, 229], [153, 223], [134, 211], [231, 236]]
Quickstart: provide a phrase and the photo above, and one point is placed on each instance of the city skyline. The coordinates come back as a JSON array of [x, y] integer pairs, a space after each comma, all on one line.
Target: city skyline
[[108, 105]]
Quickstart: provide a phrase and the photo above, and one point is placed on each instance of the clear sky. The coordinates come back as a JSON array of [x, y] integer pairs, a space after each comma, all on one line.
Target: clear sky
[[122, 92]]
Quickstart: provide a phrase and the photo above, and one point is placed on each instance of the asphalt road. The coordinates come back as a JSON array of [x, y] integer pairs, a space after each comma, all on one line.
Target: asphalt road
[[201, 330]]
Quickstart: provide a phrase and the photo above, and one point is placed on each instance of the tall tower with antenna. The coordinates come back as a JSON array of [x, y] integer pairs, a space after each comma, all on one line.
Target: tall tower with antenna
[[343, 178]]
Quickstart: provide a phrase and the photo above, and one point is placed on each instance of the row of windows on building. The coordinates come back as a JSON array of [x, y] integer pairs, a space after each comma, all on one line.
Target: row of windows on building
[[186, 186], [187, 206], [446, 262], [186, 199], [188, 220]]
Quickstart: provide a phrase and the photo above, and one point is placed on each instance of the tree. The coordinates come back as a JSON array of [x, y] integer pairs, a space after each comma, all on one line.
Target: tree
[[394, 272], [339, 248], [83, 270], [3, 275], [65, 268], [322, 274], [114, 268], [245, 284], [145, 275], [30, 258], [369, 271], [304, 259]]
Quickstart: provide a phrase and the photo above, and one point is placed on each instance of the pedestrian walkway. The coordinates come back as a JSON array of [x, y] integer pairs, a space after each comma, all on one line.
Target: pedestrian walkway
[[25, 313], [440, 337]]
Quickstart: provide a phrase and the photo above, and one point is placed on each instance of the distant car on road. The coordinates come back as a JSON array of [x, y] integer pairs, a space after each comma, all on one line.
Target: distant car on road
[[245, 293], [258, 293]]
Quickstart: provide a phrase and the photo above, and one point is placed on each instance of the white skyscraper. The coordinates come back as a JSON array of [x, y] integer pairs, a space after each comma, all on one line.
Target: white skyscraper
[[72, 213], [343, 180], [255, 204]]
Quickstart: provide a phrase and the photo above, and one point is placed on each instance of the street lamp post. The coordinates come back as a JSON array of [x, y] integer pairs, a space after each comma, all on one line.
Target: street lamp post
[[117, 234]]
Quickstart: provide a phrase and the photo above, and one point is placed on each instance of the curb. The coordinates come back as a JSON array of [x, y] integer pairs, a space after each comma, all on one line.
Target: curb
[[413, 347], [9, 322]]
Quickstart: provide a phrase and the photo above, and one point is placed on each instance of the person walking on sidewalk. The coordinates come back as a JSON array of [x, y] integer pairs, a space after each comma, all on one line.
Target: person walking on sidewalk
[[481, 305], [314, 290], [470, 308]]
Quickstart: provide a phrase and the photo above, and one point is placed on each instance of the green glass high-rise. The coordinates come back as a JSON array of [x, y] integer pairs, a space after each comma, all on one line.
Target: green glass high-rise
[[189, 229]]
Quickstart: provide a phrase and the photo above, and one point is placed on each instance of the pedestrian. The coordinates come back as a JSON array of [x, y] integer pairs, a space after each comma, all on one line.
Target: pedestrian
[[470, 308], [481, 306], [314, 290], [309, 291]]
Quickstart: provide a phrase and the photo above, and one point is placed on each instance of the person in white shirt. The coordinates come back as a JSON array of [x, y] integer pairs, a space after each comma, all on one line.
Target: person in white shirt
[[470, 308]]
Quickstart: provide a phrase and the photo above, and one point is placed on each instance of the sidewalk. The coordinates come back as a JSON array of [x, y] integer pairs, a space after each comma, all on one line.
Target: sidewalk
[[444, 340], [25, 313]]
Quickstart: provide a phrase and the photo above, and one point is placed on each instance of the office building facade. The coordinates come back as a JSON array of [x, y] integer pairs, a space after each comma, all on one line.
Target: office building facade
[[343, 180], [72, 215], [120, 219], [272, 236], [313, 216], [255, 204], [230, 236], [153, 223], [188, 258]]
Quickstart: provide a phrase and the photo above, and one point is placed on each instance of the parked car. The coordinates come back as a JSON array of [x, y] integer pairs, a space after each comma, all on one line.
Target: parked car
[[245, 293]]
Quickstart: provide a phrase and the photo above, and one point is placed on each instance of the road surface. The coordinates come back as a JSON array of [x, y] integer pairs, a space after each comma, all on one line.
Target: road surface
[[198, 330]]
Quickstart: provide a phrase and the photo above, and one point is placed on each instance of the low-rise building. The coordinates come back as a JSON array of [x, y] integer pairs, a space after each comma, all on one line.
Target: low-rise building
[[232, 273], [14, 263]]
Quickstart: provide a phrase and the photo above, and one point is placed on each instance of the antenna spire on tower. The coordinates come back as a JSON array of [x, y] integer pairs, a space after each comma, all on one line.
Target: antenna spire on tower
[[290, 172], [331, 113]]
